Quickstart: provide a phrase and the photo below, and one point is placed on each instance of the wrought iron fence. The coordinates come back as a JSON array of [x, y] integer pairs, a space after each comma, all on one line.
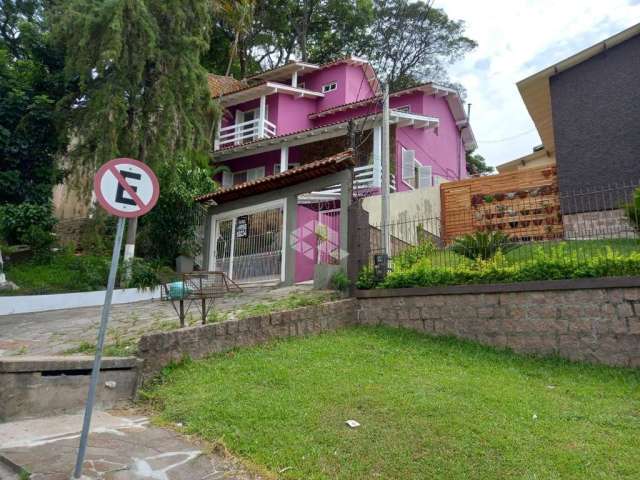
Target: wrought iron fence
[[578, 224]]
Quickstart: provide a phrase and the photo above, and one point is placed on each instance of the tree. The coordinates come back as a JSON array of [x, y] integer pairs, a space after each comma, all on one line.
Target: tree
[[476, 164], [142, 90], [31, 83], [410, 42]]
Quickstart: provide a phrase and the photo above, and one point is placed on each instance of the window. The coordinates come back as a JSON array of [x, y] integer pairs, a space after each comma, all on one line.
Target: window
[[405, 109], [414, 174], [249, 132], [329, 87], [235, 178], [276, 167], [301, 85]]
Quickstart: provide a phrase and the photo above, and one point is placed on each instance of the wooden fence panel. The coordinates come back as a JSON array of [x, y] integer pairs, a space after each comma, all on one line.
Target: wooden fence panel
[[523, 204]]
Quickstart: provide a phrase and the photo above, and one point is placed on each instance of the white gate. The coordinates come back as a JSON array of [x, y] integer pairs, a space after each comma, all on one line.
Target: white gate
[[248, 246]]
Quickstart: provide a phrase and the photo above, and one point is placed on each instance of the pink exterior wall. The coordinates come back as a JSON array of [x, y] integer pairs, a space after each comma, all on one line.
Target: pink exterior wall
[[306, 244], [293, 113], [357, 86], [444, 151]]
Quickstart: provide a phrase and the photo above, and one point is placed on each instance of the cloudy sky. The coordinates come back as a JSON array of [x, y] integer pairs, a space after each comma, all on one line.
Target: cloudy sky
[[516, 39]]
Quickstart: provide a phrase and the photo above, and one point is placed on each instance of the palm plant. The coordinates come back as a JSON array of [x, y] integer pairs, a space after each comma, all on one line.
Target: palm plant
[[482, 245], [238, 14]]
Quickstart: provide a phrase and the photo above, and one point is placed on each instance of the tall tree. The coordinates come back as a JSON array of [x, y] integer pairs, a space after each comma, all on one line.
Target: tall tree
[[142, 90], [411, 42], [31, 83], [477, 165]]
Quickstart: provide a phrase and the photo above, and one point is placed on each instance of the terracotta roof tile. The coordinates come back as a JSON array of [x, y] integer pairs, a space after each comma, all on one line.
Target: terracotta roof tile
[[293, 176], [220, 85]]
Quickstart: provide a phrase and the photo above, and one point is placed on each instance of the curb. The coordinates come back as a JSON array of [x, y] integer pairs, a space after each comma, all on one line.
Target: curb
[[17, 469]]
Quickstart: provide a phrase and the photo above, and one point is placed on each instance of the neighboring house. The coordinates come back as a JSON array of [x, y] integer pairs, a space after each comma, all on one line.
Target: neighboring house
[[586, 109], [540, 157], [301, 112]]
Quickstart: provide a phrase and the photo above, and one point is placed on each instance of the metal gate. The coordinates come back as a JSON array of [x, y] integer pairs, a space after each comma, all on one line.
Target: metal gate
[[249, 247], [328, 233]]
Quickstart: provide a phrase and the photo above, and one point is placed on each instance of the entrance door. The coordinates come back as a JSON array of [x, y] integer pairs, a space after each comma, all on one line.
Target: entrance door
[[249, 247], [328, 234]]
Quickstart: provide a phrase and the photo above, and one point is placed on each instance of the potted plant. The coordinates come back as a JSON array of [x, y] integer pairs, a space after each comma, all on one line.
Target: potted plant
[[510, 195], [499, 196], [522, 193], [513, 224], [548, 208], [488, 198], [476, 199]]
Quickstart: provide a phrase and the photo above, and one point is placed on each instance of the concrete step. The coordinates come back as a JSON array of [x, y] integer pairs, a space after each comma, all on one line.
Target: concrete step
[[6, 472]]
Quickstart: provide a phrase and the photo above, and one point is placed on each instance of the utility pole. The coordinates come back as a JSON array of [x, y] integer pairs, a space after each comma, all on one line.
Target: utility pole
[[386, 239]]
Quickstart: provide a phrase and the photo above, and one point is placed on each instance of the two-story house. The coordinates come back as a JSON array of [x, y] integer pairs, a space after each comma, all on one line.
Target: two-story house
[[301, 112]]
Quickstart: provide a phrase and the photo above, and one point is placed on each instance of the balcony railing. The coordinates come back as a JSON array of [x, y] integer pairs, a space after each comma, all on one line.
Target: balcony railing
[[245, 132], [364, 184]]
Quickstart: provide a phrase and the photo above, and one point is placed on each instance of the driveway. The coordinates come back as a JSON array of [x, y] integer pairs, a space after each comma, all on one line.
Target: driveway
[[58, 331]]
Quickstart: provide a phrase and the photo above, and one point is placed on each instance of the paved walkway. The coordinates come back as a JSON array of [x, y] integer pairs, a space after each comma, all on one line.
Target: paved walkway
[[121, 447], [54, 332]]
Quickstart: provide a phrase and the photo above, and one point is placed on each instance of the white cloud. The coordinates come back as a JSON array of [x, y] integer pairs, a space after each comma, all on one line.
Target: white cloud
[[516, 39]]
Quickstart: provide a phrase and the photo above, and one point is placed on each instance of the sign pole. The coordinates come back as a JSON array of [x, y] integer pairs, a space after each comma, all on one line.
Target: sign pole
[[95, 372]]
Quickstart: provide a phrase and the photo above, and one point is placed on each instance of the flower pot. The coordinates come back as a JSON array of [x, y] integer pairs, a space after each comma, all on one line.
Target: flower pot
[[499, 196], [522, 194]]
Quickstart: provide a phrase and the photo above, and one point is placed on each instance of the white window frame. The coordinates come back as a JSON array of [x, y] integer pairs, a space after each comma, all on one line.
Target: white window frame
[[276, 167], [231, 175], [416, 173], [329, 87]]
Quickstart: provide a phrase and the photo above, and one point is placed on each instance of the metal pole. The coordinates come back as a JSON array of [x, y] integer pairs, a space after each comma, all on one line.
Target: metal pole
[[386, 240], [95, 372]]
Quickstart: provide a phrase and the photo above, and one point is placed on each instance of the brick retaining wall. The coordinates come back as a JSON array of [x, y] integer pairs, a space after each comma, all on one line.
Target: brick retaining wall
[[159, 349], [599, 325]]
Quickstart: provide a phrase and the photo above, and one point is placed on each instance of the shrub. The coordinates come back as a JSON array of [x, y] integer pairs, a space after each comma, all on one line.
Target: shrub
[[16, 221], [98, 233], [555, 265], [367, 279], [633, 209], [482, 245], [340, 281], [413, 254], [40, 242], [144, 275]]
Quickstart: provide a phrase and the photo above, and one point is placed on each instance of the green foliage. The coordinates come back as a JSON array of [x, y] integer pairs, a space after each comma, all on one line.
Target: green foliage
[[340, 281], [98, 233], [171, 228], [556, 264], [477, 165], [367, 278], [633, 209], [17, 220], [41, 241], [142, 91], [31, 83], [430, 408], [482, 245], [63, 273], [144, 275], [411, 255]]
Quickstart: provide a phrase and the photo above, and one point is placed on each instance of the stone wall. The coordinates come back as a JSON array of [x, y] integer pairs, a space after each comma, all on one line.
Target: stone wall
[[159, 349], [69, 231], [593, 225], [592, 325]]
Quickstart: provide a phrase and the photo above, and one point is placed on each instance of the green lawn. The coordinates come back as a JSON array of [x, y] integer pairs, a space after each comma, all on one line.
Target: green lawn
[[428, 408]]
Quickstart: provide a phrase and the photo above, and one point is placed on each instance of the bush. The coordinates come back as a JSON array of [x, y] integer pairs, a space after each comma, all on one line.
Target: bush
[[413, 254], [482, 245], [340, 281], [367, 279], [633, 209], [144, 275], [40, 242], [98, 233], [556, 265], [16, 222]]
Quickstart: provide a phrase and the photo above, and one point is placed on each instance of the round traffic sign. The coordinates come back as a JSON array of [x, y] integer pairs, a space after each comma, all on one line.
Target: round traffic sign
[[126, 187]]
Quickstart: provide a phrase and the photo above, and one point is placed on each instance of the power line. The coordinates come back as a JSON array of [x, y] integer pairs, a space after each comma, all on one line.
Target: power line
[[506, 139]]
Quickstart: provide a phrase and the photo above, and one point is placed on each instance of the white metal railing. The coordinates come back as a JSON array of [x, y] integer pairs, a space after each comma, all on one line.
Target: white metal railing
[[249, 131], [363, 179]]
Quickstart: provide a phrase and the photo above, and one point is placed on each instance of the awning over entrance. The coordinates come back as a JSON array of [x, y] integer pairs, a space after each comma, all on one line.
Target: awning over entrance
[[288, 178]]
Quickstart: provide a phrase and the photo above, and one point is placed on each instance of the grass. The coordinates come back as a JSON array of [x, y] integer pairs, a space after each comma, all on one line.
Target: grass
[[64, 273], [428, 408], [291, 301]]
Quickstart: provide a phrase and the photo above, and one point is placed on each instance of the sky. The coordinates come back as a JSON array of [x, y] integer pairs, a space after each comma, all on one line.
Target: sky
[[517, 38]]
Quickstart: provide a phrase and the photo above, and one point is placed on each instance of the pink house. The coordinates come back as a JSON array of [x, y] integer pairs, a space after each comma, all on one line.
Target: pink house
[[301, 112]]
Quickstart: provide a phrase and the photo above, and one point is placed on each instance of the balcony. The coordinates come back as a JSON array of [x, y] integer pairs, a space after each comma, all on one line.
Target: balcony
[[365, 184], [245, 132]]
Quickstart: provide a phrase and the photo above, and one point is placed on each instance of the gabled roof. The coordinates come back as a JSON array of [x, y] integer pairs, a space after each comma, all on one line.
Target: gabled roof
[[221, 85], [536, 93], [293, 176], [252, 92]]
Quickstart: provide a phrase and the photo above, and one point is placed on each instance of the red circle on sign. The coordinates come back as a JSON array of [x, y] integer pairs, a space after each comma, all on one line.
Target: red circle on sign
[[143, 207]]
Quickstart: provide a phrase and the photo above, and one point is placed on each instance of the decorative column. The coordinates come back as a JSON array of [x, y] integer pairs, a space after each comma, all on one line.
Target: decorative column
[[377, 156], [261, 113]]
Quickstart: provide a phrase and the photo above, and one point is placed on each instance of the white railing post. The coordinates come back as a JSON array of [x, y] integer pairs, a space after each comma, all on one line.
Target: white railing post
[[284, 158], [216, 141], [261, 114]]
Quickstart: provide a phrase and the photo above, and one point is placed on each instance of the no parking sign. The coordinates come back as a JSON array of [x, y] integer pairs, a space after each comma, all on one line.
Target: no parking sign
[[126, 188]]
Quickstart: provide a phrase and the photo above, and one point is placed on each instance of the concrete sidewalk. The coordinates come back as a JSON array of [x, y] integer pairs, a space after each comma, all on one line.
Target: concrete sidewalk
[[121, 447]]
